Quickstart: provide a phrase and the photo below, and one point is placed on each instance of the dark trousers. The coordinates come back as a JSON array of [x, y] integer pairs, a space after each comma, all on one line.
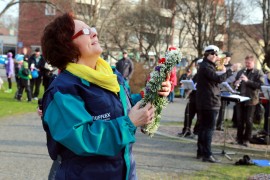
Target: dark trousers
[[24, 84], [245, 115], [46, 82], [221, 114], [9, 82], [207, 120], [35, 83], [234, 118], [191, 112], [55, 165]]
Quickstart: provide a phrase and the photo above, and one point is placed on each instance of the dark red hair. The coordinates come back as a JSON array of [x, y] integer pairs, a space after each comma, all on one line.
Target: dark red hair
[[56, 42]]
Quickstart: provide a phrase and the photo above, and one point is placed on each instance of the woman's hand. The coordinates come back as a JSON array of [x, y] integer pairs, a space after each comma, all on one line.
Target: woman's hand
[[141, 116], [166, 87], [39, 111]]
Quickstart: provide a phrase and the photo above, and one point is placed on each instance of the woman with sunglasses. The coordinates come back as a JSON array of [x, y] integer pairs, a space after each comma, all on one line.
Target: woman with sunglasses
[[87, 112], [208, 100]]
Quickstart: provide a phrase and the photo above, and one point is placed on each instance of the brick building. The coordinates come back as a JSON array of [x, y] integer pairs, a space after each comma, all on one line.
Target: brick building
[[33, 17]]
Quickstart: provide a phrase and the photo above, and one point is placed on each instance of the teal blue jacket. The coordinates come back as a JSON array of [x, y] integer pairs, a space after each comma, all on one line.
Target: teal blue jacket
[[89, 128]]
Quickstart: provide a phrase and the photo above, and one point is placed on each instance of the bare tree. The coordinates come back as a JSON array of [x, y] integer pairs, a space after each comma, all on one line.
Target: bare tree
[[141, 29], [265, 5], [234, 14], [87, 10], [257, 36], [204, 20]]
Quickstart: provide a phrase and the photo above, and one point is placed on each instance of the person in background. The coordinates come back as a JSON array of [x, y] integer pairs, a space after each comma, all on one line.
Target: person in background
[[18, 64], [89, 117], [173, 81], [9, 71], [24, 81], [227, 60], [208, 101], [266, 130], [230, 80], [266, 103], [36, 62], [48, 75], [185, 76], [125, 66], [193, 67], [248, 82], [191, 110]]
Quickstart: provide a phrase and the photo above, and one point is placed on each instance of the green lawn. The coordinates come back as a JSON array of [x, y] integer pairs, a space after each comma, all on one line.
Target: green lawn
[[10, 106], [221, 171]]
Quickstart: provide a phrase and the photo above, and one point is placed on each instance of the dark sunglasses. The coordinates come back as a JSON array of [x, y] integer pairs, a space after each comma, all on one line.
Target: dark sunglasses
[[213, 53]]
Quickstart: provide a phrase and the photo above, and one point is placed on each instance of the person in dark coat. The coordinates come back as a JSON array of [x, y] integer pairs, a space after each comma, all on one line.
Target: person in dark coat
[[191, 111], [208, 101], [125, 66], [36, 62], [249, 81]]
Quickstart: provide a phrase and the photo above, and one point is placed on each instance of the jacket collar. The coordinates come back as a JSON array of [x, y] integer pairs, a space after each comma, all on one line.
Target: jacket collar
[[208, 61]]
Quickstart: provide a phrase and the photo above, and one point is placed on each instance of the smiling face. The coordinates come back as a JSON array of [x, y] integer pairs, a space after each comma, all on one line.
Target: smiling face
[[88, 44]]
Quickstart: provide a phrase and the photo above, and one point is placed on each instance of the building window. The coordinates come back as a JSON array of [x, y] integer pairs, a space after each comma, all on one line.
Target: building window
[[49, 10]]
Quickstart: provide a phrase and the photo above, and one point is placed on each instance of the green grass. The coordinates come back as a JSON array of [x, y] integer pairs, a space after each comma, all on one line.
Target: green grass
[[10, 106], [229, 172]]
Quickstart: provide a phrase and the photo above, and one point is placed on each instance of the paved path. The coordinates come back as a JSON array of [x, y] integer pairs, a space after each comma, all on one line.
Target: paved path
[[23, 153]]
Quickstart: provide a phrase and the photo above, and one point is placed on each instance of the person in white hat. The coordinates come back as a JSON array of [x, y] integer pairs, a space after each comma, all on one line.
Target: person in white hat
[[208, 100]]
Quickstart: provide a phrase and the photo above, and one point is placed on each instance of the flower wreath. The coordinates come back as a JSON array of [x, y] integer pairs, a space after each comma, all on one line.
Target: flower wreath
[[153, 85]]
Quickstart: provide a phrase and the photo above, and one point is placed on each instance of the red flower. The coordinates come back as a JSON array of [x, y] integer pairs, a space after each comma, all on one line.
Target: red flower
[[162, 60], [172, 48], [142, 94]]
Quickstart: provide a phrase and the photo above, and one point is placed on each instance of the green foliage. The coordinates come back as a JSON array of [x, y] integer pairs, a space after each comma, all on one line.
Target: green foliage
[[154, 85], [10, 106]]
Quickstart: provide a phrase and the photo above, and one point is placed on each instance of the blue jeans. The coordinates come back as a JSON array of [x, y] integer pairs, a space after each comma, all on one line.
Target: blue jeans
[[182, 92], [207, 121], [171, 96]]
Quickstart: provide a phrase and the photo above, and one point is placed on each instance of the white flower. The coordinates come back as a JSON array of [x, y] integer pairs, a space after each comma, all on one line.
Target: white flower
[[158, 76]]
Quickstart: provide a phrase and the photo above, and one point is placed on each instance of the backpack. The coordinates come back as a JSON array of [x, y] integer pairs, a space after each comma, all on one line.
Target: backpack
[[258, 114]]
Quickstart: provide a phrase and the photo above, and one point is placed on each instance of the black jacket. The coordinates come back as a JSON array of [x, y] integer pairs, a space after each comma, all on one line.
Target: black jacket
[[39, 65], [208, 91], [192, 96], [125, 67], [252, 87]]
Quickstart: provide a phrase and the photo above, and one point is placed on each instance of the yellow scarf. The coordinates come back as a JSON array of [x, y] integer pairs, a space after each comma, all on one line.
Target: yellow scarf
[[102, 76]]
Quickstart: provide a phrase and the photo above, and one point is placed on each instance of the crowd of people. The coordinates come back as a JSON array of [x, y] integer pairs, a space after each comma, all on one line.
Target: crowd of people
[[29, 71], [208, 102]]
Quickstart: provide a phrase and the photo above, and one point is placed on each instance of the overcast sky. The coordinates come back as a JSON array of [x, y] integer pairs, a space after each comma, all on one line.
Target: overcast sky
[[254, 13], [14, 10]]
